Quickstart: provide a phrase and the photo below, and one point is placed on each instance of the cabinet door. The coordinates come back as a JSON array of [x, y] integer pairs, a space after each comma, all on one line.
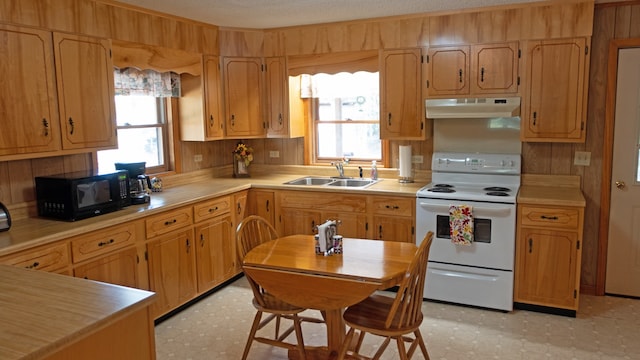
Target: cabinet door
[[213, 101], [494, 68], [243, 92], [172, 270], [119, 268], [546, 268], [393, 229], [555, 97], [401, 115], [296, 221], [448, 70], [351, 225], [277, 95], [263, 204], [239, 208], [84, 71], [215, 253], [27, 92]]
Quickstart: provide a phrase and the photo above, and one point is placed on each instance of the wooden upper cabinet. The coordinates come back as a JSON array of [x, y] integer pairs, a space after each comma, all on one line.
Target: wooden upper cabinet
[[494, 68], [28, 106], [401, 115], [555, 98], [480, 69], [84, 71], [448, 70], [200, 103], [243, 92], [277, 97]]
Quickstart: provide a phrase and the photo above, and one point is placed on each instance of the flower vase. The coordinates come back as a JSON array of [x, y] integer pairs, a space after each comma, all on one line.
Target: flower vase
[[240, 168]]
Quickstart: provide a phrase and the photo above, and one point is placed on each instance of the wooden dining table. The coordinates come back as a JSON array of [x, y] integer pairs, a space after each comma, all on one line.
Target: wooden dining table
[[289, 268]]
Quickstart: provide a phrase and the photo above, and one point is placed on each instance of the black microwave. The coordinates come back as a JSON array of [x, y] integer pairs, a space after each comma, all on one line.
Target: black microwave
[[80, 195]]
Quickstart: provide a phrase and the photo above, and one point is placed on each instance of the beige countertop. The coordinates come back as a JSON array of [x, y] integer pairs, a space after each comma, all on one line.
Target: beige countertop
[[41, 312], [28, 233], [549, 195]]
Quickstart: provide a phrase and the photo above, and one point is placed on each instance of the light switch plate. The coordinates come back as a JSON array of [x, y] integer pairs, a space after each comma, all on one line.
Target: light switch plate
[[582, 158], [274, 154], [417, 159], [197, 158]]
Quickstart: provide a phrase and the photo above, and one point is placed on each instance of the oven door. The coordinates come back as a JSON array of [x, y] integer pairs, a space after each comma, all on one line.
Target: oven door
[[494, 233]]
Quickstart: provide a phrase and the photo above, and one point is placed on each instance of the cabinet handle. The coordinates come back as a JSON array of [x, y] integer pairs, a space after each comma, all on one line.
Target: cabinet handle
[[72, 126], [170, 222], [280, 119], [535, 117], [460, 75], [45, 124], [313, 225], [389, 119], [482, 74], [530, 245], [544, 217], [211, 121], [33, 266], [188, 245], [267, 206], [233, 120], [394, 207], [213, 209], [239, 208], [380, 232], [104, 243], [201, 240]]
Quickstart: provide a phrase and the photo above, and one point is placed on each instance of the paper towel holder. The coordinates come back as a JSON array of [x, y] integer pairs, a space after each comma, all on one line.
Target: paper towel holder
[[405, 168]]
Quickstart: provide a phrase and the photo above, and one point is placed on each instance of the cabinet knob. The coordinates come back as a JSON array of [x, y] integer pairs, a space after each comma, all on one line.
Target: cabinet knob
[[620, 185]]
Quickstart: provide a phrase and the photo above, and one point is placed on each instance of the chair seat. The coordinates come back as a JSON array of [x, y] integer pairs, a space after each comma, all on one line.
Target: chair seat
[[371, 314]]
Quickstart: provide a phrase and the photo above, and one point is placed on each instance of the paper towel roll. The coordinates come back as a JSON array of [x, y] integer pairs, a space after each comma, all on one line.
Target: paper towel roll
[[405, 161]]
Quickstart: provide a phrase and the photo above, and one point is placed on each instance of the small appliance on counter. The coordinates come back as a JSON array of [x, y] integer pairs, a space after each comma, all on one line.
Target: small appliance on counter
[[82, 194], [5, 218], [139, 182]]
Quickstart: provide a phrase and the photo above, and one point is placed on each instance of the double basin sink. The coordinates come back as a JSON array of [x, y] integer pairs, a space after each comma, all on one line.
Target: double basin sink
[[337, 182]]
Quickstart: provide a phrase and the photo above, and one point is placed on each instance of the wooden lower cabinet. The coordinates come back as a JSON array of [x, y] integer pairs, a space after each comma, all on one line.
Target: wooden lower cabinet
[[548, 256], [393, 229], [297, 221], [120, 268], [215, 252], [263, 203], [172, 270]]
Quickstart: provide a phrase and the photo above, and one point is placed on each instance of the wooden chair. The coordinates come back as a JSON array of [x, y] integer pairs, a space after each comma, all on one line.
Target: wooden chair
[[392, 318], [251, 232]]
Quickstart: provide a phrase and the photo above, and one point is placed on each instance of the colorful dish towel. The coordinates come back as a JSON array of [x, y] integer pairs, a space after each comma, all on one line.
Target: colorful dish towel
[[461, 224]]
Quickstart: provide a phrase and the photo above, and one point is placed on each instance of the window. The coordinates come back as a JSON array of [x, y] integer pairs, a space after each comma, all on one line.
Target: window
[[142, 133], [347, 116]]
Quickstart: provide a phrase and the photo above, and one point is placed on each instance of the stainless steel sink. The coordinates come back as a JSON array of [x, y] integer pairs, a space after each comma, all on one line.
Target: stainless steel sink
[[310, 181], [352, 182], [325, 181]]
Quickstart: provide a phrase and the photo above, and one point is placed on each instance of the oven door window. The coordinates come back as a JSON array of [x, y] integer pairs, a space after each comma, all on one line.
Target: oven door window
[[481, 229]]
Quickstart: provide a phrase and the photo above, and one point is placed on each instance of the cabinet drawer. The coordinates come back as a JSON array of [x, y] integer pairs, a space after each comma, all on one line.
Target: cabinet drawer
[[564, 218], [168, 221], [382, 205], [102, 242], [209, 209], [48, 258], [323, 201]]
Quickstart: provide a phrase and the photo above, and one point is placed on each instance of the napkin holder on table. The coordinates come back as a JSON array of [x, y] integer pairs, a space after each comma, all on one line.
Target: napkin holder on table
[[324, 238]]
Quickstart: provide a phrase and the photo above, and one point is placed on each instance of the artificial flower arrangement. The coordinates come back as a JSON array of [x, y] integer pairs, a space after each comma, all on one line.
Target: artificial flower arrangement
[[244, 153]]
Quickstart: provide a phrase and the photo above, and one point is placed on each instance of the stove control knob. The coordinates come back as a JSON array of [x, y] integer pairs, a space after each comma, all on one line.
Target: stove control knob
[[502, 163]]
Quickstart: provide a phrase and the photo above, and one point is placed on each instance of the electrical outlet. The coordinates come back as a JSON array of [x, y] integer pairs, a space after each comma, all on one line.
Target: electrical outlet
[[197, 158], [417, 159], [582, 158], [274, 154]]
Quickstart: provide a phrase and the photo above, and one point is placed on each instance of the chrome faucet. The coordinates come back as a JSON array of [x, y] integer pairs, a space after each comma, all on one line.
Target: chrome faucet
[[340, 166]]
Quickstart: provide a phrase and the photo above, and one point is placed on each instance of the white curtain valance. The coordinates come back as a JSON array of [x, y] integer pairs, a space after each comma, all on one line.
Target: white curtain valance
[[131, 81]]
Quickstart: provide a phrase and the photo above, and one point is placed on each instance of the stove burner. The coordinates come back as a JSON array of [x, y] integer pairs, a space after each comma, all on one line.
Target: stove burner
[[441, 190], [497, 193], [496, 188], [443, 185]]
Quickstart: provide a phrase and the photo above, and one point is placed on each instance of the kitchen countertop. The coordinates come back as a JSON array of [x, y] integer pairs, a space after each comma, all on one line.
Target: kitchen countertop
[[41, 312], [559, 190], [32, 232]]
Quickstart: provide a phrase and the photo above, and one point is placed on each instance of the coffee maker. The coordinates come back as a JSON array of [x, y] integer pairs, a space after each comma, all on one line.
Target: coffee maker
[[139, 183]]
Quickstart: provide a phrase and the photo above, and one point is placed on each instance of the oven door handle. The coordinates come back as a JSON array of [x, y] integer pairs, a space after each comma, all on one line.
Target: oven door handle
[[478, 211]]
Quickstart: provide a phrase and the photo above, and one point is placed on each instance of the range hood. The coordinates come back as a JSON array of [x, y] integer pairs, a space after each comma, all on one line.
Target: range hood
[[465, 108]]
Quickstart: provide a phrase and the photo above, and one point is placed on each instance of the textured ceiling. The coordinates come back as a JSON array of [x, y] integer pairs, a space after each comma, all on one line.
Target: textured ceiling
[[265, 14]]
